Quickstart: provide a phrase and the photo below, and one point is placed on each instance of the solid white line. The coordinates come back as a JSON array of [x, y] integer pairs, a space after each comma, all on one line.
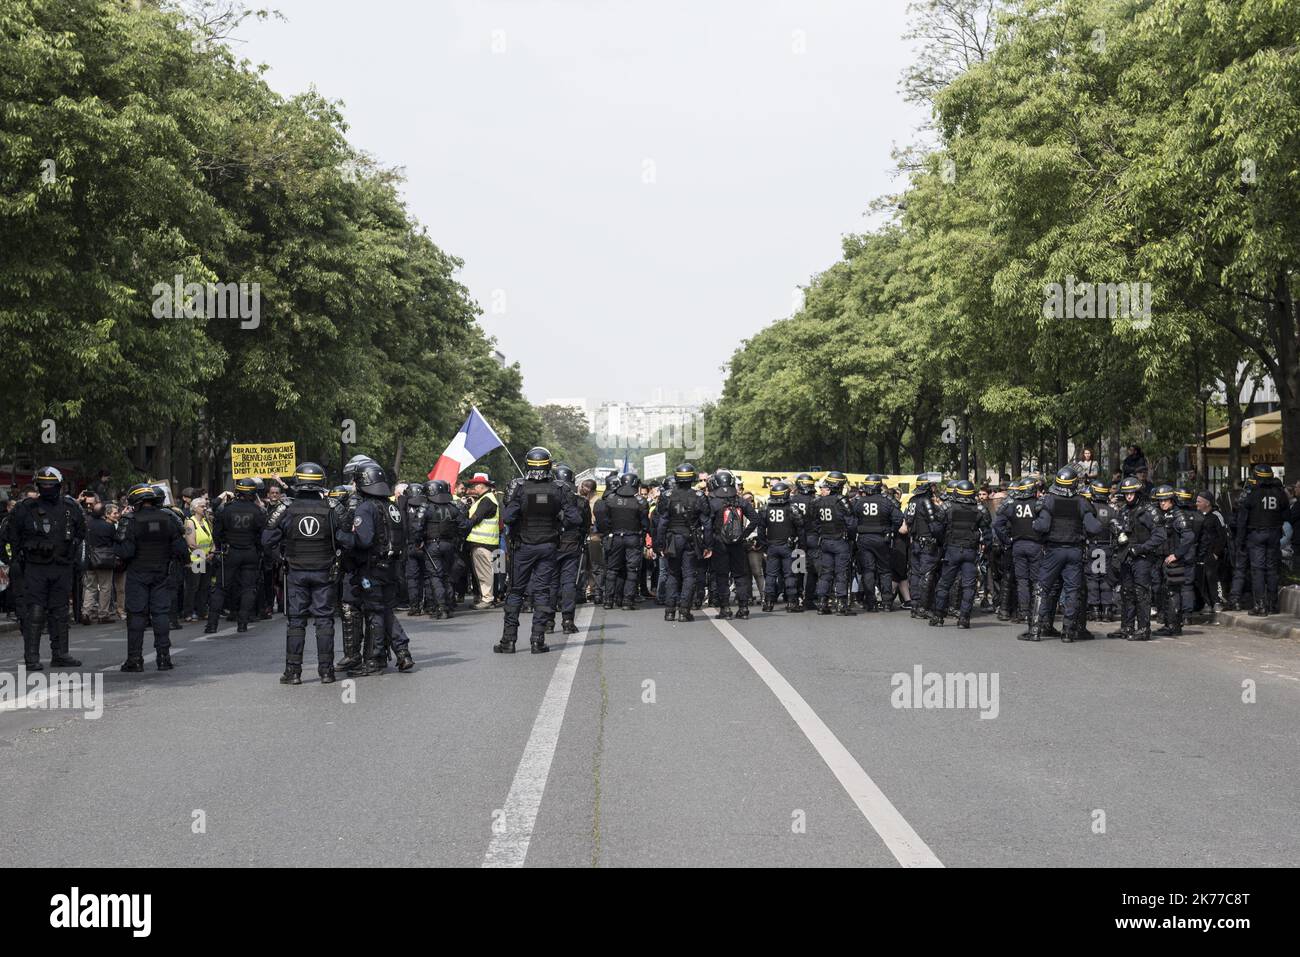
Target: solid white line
[[509, 847], [903, 842]]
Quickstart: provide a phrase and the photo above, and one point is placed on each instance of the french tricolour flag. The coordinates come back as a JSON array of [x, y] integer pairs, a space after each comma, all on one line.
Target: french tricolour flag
[[474, 440]]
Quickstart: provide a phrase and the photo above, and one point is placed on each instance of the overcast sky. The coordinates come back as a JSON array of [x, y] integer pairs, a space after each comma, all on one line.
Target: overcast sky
[[634, 187]]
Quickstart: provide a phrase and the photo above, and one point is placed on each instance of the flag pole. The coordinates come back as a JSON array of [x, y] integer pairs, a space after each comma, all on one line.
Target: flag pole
[[512, 459]]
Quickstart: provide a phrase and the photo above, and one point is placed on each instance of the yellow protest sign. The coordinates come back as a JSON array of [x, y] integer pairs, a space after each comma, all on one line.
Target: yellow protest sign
[[274, 460]]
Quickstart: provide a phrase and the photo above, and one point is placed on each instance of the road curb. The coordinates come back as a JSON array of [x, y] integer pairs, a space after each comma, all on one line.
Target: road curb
[[1274, 626]]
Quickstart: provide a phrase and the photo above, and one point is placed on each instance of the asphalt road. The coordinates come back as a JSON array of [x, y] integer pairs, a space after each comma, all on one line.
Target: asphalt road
[[772, 741]]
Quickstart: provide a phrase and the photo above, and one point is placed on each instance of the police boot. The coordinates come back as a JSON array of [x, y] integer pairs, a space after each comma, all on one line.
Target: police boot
[[163, 660], [743, 610], [538, 645], [1231, 604], [698, 604], [550, 627], [32, 646], [767, 605], [724, 611], [1259, 610], [351, 646], [823, 606], [792, 606], [326, 673], [1141, 633], [963, 620], [1035, 630], [439, 614], [133, 665], [1093, 613], [448, 612], [404, 660], [936, 619], [506, 646], [1067, 630], [292, 674], [1109, 613], [241, 627], [846, 608], [609, 603], [684, 614], [64, 661], [567, 626], [670, 613], [415, 611]]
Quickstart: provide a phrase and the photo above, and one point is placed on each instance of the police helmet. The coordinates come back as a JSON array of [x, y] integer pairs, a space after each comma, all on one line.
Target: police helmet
[[340, 491], [355, 465], [538, 463], [142, 493], [778, 493], [1066, 478], [873, 484], [438, 491], [247, 487], [611, 482], [836, 480], [686, 474], [1130, 485], [723, 484], [964, 488], [1185, 496], [565, 474], [309, 477], [373, 480], [804, 484], [921, 486], [48, 477], [1261, 472], [1100, 488], [1163, 493]]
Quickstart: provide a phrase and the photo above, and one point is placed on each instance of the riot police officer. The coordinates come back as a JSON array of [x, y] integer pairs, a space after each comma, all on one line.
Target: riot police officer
[[236, 541], [968, 532], [419, 591], [1139, 544], [306, 527], [444, 523], [44, 536], [923, 523], [1065, 521], [377, 544], [780, 531], [832, 524], [355, 624], [568, 554], [805, 493], [537, 509], [878, 518], [623, 520], [150, 542], [1179, 560], [731, 516], [1259, 537], [1016, 525], [1101, 571], [684, 536]]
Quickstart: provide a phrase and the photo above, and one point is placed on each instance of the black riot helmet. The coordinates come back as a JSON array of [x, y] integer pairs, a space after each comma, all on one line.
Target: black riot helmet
[[1261, 473], [963, 489], [565, 474], [1185, 497], [611, 482], [355, 465], [309, 477], [723, 484], [142, 493], [1066, 480], [48, 479], [340, 491], [246, 488], [538, 463], [804, 484], [1100, 488], [1131, 485], [874, 484], [836, 480], [373, 480], [779, 493], [1163, 493], [686, 474], [922, 486], [628, 484], [437, 491]]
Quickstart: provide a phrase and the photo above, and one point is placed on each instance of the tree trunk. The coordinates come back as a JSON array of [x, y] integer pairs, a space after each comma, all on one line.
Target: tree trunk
[[1062, 444], [1018, 457], [397, 459], [1288, 384]]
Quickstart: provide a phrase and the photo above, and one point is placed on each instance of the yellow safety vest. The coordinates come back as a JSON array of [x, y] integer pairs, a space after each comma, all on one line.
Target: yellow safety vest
[[202, 534], [488, 531]]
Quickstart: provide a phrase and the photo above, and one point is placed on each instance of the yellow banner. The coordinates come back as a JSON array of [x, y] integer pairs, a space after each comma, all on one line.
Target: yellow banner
[[758, 482], [263, 461]]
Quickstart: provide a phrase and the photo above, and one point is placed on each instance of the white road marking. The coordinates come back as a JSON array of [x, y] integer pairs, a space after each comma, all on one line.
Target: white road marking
[[509, 848], [903, 842]]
